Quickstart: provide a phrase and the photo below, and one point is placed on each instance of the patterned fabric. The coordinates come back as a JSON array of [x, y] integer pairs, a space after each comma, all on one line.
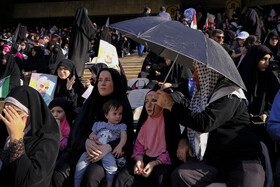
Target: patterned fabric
[[16, 149], [207, 81]]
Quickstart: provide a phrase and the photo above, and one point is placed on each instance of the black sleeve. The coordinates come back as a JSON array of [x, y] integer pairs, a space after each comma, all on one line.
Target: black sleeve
[[214, 115], [72, 97]]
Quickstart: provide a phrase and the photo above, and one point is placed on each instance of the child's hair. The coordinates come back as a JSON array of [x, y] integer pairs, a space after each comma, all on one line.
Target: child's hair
[[111, 104]]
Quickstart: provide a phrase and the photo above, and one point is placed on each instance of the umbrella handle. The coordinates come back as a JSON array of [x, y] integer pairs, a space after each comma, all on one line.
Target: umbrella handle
[[165, 79]]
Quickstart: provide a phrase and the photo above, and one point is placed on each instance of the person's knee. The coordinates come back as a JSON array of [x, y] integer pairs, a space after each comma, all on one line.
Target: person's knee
[[112, 169]]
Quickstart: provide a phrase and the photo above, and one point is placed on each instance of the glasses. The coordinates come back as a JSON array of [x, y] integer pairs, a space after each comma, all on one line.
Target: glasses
[[220, 37], [62, 69], [274, 38]]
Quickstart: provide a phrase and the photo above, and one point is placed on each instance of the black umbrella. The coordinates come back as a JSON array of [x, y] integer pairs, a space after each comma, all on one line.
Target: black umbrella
[[179, 43]]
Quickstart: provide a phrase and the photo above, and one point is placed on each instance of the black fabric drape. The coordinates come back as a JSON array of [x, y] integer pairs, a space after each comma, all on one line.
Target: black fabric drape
[[83, 31], [35, 167], [10, 69], [55, 57], [252, 23]]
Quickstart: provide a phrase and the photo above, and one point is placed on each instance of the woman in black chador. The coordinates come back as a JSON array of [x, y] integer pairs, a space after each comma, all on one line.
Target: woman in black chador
[[108, 86], [8, 67], [272, 42], [68, 84], [29, 140], [55, 56], [261, 84], [83, 31]]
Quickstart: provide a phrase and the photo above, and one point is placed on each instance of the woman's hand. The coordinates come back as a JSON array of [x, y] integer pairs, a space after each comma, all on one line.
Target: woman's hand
[[94, 137], [70, 82], [25, 73], [165, 85], [88, 83], [148, 169], [96, 152], [92, 148], [138, 168], [183, 149], [15, 123], [164, 100], [263, 117]]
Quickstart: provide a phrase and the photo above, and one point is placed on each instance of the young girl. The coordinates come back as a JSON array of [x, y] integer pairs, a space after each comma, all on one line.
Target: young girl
[[59, 108], [154, 149], [104, 133]]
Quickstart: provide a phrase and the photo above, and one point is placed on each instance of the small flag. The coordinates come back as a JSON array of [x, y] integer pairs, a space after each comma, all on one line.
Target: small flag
[[272, 12], [190, 14], [209, 19], [194, 24], [4, 87]]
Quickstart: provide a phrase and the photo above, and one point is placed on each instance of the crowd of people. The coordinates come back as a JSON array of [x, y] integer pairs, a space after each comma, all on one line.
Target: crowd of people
[[195, 129]]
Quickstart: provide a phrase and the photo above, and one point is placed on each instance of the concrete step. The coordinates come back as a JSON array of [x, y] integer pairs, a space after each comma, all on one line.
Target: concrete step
[[131, 64]]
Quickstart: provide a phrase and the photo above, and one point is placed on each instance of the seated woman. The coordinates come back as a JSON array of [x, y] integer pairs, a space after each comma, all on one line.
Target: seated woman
[[29, 140], [232, 149], [261, 84], [272, 42], [68, 84], [154, 149], [108, 86]]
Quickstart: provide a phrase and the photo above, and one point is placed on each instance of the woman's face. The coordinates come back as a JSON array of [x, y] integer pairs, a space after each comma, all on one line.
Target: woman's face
[[20, 112], [273, 40], [264, 62], [63, 72], [33, 52], [105, 83], [241, 42], [58, 113], [93, 76], [151, 108]]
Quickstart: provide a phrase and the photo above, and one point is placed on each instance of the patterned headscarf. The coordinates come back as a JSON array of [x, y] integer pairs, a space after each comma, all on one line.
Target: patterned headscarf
[[207, 81]]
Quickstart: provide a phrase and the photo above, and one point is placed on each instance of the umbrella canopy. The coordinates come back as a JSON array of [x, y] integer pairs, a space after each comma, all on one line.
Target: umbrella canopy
[[173, 40]]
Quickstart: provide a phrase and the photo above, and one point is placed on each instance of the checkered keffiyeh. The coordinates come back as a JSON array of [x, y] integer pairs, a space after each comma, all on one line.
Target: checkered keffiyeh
[[207, 81]]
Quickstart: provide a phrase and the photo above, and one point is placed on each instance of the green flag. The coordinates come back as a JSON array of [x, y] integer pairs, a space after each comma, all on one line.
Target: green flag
[[4, 87]]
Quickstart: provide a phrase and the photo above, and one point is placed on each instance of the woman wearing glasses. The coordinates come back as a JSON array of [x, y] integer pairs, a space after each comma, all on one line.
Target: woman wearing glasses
[[272, 42], [68, 84]]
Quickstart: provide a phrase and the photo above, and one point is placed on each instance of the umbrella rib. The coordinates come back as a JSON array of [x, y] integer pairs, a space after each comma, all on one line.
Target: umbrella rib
[[152, 28], [172, 50]]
